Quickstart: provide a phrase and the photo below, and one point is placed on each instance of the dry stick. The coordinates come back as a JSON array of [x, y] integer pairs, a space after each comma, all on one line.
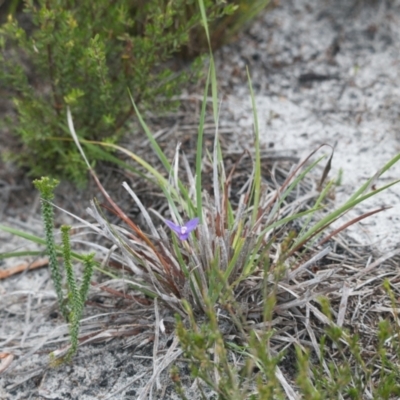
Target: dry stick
[[23, 267], [171, 355], [314, 342], [131, 382]]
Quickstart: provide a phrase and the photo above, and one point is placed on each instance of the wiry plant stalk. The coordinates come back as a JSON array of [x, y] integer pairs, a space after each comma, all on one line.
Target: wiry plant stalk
[[88, 263], [46, 188], [76, 296]]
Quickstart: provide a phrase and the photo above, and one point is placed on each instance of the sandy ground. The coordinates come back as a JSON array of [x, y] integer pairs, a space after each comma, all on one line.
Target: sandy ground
[[324, 72], [328, 74]]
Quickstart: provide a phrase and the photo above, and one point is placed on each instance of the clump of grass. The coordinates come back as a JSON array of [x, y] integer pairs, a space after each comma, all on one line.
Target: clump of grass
[[236, 274]]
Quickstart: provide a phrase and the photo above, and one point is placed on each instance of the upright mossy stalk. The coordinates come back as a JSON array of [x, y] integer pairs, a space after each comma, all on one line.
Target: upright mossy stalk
[[72, 306], [76, 296], [46, 187]]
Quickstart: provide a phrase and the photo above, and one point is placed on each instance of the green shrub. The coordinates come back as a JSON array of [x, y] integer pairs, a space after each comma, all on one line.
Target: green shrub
[[85, 55]]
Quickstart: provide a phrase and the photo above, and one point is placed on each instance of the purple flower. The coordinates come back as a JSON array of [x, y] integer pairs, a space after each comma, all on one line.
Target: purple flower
[[183, 231]]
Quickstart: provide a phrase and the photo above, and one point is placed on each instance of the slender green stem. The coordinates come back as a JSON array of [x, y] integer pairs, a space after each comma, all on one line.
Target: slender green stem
[[46, 188]]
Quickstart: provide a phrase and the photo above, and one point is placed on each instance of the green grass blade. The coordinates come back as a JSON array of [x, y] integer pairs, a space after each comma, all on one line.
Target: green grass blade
[[257, 174], [162, 157], [153, 142], [106, 156], [317, 204], [284, 221], [159, 178], [251, 12], [232, 262], [352, 202], [289, 189], [24, 235], [386, 167], [199, 153], [14, 254], [204, 20], [214, 89], [39, 240]]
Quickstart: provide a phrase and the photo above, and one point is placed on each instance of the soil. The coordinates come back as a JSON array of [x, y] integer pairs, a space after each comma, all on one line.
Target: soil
[[324, 73]]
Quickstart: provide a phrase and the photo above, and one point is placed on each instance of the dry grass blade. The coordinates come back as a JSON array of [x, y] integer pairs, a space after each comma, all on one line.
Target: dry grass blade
[[115, 207], [172, 354], [306, 298], [297, 269], [326, 170], [143, 210], [157, 329], [378, 262], [5, 361], [290, 393], [280, 193], [346, 292], [316, 347]]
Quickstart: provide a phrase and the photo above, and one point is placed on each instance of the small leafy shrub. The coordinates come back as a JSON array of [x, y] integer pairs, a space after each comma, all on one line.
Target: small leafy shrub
[[230, 270], [85, 55]]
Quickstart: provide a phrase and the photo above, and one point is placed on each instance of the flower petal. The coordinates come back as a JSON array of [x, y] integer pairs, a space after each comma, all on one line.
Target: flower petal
[[174, 227], [183, 236], [191, 225], [183, 231]]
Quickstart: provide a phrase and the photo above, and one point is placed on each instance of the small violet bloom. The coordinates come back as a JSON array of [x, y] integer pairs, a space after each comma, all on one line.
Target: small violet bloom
[[183, 231]]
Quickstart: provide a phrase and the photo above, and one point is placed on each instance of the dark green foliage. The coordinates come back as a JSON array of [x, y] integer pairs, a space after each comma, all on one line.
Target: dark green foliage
[[86, 55]]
